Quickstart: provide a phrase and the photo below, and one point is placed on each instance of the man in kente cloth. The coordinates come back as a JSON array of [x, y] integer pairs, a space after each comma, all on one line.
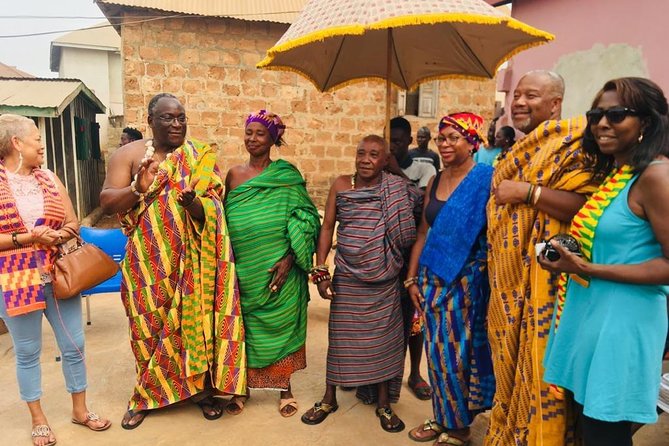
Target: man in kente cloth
[[179, 288], [375, 211], [538, 186]]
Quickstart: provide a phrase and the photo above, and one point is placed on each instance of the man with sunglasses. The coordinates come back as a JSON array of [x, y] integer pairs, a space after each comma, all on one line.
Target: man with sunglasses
[[179, 278], [538, 186]]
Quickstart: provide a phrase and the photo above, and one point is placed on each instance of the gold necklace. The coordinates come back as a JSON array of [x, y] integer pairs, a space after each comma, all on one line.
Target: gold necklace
[[353, 181]]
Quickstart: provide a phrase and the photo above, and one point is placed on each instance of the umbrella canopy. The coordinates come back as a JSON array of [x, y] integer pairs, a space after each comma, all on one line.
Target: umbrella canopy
[[334, 42]]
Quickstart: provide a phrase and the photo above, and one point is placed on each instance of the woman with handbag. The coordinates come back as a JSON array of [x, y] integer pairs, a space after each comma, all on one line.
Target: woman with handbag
[[36, 215]]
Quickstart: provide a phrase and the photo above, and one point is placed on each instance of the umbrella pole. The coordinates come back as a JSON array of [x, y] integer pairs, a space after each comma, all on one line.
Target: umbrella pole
[[389, 61]]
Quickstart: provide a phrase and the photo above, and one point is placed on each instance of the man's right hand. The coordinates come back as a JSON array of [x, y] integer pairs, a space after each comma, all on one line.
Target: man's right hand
[[146, 173], [325, 289]]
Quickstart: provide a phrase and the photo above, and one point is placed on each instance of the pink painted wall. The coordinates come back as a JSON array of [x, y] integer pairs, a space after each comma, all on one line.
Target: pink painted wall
[[595, 40]]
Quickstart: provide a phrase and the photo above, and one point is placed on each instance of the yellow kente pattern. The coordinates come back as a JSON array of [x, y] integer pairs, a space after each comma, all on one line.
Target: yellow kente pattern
[[523, 294]]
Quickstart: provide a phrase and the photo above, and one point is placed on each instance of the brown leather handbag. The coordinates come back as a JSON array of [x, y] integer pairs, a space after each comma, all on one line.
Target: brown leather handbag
[[80, 268]]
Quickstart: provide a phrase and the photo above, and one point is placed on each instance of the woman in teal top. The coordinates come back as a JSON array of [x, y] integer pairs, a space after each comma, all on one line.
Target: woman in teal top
[[606, 342]]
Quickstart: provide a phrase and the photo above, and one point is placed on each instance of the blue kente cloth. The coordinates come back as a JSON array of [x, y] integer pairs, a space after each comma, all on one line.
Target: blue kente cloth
[[467, 202]]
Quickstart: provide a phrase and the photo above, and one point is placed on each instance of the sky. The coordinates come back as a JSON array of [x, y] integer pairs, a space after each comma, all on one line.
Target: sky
[[31, 54]]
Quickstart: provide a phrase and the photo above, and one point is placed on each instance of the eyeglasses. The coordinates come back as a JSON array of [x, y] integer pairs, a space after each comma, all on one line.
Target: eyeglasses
[[452, 139], [614, 115], [169, 119]]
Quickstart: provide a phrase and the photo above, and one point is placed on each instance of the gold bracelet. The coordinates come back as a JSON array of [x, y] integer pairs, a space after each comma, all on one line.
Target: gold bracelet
[[536, 195], [410, 281], [530, 192]]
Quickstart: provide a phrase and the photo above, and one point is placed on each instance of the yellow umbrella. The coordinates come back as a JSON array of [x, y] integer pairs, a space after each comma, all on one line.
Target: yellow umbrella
[[404, 42]]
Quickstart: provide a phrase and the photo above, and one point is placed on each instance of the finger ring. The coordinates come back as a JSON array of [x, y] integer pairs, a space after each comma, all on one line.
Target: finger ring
[[274, 287]]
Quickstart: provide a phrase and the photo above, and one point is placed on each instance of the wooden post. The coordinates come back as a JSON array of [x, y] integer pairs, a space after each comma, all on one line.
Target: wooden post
[[389, 66]]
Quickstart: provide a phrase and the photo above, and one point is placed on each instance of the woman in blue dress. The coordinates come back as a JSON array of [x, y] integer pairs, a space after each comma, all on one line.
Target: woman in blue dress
[[610, 323]]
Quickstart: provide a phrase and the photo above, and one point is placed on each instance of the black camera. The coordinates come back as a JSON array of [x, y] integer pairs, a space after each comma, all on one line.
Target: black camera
[[566, 241]]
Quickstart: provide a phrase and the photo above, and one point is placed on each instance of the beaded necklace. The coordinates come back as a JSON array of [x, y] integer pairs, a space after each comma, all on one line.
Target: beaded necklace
[[149, 149], [585, 222]]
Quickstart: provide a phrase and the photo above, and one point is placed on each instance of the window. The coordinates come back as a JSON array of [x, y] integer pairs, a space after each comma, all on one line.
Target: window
[[421, 101]]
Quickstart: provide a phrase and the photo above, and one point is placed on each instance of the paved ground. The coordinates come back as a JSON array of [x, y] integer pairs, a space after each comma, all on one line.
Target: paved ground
[[111, 377]]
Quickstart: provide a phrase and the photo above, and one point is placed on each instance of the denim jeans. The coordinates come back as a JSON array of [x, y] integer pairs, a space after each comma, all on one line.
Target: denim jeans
[[64, 316]]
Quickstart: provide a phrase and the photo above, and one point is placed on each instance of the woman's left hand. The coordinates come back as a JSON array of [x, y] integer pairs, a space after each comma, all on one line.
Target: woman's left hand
[[280, 270], [568, 262]]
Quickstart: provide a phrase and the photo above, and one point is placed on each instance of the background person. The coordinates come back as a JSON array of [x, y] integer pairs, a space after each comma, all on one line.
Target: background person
[[36, 216], [422, 152], [502, 141], [129, 135]]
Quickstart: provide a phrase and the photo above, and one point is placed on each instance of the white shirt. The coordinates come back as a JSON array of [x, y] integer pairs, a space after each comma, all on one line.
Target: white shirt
[[420, 173]]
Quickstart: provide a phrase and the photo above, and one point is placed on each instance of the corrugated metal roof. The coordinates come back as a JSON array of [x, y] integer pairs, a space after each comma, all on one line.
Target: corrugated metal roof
[[7, 71], [98, 37], [43, 96], [279, 11], [101, 35]]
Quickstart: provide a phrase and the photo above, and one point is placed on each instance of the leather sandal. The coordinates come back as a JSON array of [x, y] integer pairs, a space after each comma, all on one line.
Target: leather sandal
[[236, 405], [42, 431], [287, 402], [446, 440], [320, 412], [91, 418], [125, 422], [421, 434], [385, 415]]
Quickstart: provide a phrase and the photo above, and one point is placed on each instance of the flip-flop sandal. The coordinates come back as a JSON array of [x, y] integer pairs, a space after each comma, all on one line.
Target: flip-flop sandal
[[288, 402], [421, 389], [41, 431], [214, 405], [127, 426], [92, 417], [236, 405], [432, 426], [446, 440], [321, 410], [385, 414]]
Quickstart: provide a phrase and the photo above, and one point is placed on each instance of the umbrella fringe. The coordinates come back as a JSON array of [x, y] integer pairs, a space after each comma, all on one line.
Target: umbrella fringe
[[434, 19], [517, 24], [517, 50], [285, 68], [398, 22]]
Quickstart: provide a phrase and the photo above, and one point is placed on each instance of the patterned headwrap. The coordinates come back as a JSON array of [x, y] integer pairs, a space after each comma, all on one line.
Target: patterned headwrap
[[271, 121], [467, 124]]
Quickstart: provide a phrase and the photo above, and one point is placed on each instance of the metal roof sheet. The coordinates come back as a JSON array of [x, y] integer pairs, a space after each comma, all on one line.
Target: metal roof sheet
[[9, 71], [101, 37], [279, 11], [43, 96]]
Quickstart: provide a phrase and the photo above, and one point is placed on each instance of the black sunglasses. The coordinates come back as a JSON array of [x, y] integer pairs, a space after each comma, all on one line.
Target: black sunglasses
[[615, 115]]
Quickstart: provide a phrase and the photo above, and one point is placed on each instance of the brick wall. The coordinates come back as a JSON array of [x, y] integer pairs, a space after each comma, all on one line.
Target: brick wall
[[209, 63]]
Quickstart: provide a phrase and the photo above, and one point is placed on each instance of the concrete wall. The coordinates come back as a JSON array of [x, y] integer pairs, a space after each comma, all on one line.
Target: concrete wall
[[101, 72], [596, 40], [209, 63]]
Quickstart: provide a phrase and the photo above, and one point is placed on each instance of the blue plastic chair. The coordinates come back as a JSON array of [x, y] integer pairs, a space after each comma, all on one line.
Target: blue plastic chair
[[112, 242]]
